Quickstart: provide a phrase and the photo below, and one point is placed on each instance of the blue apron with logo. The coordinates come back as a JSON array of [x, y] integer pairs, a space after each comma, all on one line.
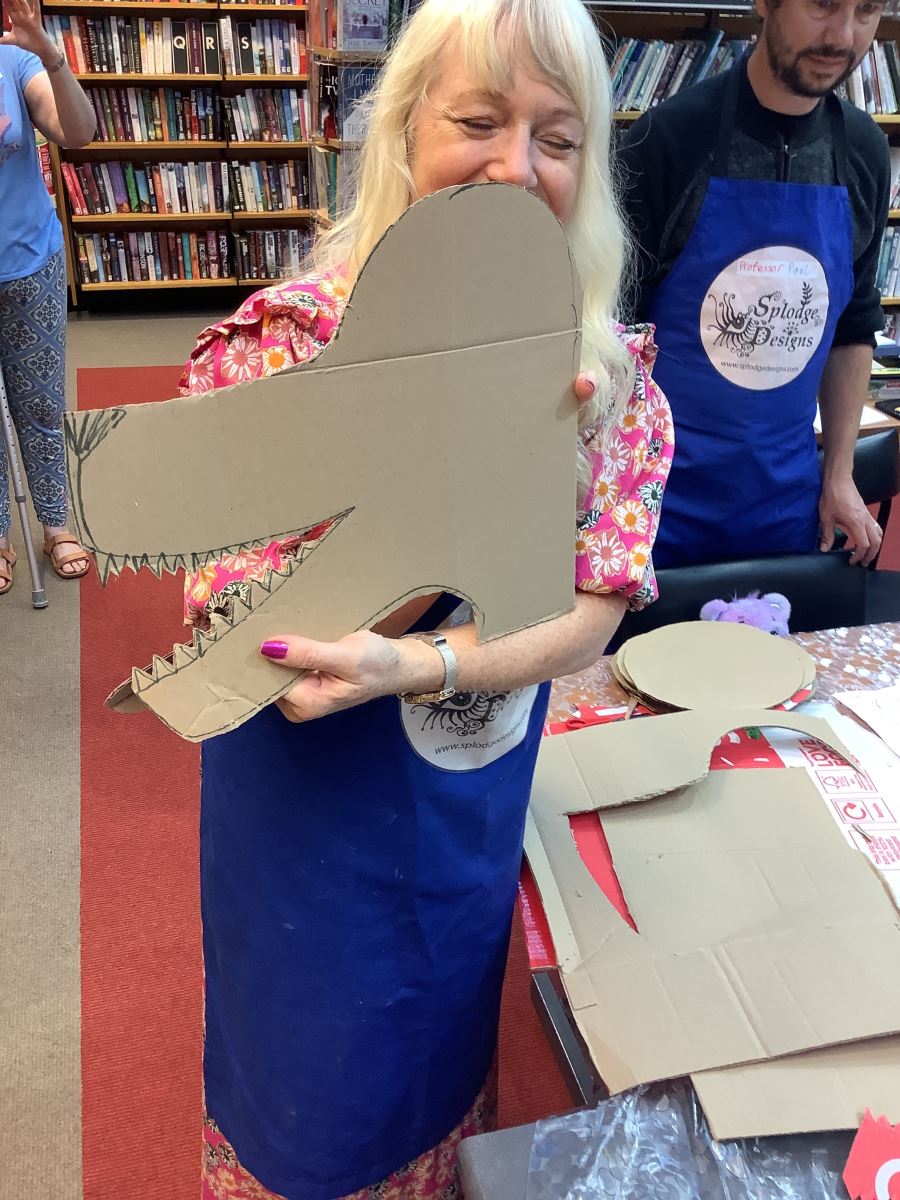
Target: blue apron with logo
[[358, 880], [745, 321]]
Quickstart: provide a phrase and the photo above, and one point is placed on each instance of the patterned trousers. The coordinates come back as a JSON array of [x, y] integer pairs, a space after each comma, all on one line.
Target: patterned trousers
[[33, 361]]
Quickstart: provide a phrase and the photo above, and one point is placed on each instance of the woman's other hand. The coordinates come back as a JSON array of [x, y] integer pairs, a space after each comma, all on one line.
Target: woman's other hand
[[585, 386], [358, 668], [27, 30]]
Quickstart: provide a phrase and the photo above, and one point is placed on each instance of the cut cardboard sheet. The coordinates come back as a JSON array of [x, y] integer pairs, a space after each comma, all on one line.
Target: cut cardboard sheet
[[760, 932], [804, 1093], [448, 385], [714, 664]]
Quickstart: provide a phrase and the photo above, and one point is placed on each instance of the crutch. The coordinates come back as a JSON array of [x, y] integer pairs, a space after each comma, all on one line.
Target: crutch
[[38, 595]]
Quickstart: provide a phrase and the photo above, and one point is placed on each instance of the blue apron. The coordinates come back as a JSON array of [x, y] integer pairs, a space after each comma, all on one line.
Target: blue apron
[[358, 877], [745, 321]]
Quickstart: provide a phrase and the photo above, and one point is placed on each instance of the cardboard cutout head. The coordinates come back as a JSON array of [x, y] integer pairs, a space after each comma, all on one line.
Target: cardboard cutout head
[[438, 429]]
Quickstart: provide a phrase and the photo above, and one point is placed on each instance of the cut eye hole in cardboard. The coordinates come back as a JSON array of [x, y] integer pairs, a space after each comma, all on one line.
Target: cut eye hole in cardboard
[[435, 438], [759, 937]]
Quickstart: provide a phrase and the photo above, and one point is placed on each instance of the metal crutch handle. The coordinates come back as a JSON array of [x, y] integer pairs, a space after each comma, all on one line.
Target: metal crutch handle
[[38, 595]]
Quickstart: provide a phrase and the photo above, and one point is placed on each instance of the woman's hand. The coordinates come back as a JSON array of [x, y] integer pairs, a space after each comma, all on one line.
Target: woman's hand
[[27, 31], [358, 668], [585, 386]]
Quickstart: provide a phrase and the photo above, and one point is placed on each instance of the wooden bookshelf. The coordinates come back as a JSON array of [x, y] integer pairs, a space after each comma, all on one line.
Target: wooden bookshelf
[[151, 218], [266, 216], [263, 8], [136, 79], [127, 6], [266, 80], [890, 301], [133, 148], [93, 227], [269, 148], [134, 285], [349, 56]]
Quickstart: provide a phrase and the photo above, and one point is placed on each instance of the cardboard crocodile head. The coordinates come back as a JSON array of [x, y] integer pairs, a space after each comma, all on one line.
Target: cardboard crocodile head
[[435, 434]]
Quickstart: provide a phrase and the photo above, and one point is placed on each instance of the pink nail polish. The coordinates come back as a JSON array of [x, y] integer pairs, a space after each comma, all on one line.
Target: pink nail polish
[[274, 649]]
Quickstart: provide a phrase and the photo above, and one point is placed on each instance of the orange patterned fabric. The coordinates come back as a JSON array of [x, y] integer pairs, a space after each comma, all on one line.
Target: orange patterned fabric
[[432, 1176]]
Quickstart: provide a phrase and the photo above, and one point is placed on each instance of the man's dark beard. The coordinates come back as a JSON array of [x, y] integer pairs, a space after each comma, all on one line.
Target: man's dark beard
[[790, 72]]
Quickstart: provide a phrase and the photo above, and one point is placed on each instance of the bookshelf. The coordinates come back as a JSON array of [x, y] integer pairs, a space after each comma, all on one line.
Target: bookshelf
[[274, 95], [202, 148]]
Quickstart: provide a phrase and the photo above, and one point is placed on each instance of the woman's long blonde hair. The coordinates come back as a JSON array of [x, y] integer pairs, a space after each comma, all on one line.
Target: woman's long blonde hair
[[564, 43]]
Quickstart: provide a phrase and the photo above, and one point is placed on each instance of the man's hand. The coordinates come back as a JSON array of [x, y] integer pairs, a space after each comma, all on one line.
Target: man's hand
[[841, 506]]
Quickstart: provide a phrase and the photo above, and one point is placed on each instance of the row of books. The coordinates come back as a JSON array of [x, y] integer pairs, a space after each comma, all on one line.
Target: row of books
[[358, 25], [887, 276], [153, 256], [270, 253], [339, 89], [260, 186], [95, 188], [269, 115], [875, 84], [263, 47], [258, 254], [332, 180], [646, 72], [137, 45], [141, 114], [179, 188]]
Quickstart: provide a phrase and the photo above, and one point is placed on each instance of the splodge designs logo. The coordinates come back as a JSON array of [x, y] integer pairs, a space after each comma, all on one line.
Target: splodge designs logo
[[764, 317], [469, 730]]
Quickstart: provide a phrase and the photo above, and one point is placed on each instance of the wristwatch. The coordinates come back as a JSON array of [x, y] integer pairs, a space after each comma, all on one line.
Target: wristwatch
[[442, 646]]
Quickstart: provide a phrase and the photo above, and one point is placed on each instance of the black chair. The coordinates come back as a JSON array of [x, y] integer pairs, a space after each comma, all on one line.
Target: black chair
[[824, 590]]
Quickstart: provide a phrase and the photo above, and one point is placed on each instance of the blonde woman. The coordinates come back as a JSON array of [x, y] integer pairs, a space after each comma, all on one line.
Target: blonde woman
[[360, 854]]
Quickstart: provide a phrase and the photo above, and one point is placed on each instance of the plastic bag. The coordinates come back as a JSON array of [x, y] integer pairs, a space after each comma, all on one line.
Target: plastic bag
[[653, 1143]]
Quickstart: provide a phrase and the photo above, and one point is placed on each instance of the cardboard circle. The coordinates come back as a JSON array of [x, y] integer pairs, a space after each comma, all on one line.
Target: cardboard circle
[[714, 664]]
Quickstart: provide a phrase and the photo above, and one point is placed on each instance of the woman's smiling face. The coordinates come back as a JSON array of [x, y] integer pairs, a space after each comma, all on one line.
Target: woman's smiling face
[[530, 136]]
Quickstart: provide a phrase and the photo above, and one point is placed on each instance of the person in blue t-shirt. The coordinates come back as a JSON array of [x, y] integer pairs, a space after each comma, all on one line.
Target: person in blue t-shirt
[[36, 89]]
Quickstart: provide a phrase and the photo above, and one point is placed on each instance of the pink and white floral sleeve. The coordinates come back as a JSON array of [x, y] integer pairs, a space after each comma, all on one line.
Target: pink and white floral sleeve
[[275, 328], [614, 544]]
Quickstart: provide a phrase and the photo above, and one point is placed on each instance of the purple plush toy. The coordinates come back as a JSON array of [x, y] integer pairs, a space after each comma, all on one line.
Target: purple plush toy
[[770, 613]]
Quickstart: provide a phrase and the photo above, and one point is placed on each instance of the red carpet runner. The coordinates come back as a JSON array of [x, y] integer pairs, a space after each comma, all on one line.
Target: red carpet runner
[[140, 931]]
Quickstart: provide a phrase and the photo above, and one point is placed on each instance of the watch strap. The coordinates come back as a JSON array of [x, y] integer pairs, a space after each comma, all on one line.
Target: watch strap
[[451, 670]]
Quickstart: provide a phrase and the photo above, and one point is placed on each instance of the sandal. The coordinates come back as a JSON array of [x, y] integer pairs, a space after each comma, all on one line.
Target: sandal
[[50, 544], [7, 562]]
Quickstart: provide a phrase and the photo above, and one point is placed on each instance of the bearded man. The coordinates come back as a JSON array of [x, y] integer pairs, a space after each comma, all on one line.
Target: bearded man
[[758, 200]]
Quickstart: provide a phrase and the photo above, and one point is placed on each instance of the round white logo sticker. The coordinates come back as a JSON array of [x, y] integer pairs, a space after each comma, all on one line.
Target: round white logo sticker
[[469, 730], [764, 316]]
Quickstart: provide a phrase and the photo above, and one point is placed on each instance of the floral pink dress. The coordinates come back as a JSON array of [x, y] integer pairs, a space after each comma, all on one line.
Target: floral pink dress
[[290, 323]]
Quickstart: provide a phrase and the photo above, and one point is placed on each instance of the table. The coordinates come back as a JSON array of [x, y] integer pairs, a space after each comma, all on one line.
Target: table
[[495, 1166]]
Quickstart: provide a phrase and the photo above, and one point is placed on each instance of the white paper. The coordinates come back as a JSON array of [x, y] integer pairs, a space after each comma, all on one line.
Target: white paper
[[880, 710], [868, 416]]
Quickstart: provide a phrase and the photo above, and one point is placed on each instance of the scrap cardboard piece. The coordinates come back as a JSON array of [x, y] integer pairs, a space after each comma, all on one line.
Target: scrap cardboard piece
[[624, 761], [744, 894], [873, 1167], [449, 383], [813, 1092], [713, 664]]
